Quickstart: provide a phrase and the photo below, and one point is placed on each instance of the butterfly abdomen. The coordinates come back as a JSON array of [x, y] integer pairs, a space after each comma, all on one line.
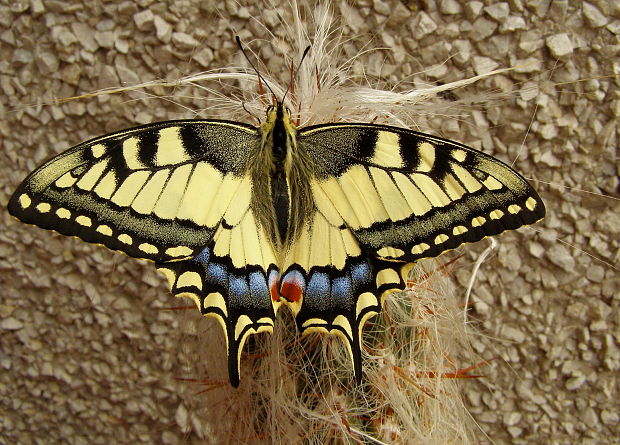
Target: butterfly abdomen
[[281, 203]]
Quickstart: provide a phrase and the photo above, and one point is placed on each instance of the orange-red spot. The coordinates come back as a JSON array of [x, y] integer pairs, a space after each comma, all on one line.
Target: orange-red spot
[[273, 290], [292, 291]]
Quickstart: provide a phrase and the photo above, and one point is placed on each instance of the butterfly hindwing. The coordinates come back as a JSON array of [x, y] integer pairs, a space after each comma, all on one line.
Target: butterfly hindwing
[[407, 195], [233, 279], [149, 192], [333, 286]]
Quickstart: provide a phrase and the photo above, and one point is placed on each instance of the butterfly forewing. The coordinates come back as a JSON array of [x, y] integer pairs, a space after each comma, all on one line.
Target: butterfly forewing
[[156, 192], [406, 195]]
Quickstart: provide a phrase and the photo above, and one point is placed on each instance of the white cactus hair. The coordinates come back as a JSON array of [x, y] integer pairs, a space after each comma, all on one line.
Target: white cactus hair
[[302, 390]]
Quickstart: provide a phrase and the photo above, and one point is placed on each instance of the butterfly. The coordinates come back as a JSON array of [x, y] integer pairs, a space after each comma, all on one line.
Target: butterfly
[[327, 219]]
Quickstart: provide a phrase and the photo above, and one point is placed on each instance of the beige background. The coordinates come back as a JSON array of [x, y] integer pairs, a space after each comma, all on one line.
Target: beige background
[[86, 357]]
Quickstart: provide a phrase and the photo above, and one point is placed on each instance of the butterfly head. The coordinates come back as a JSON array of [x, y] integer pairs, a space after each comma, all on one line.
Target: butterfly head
[[279, 115]]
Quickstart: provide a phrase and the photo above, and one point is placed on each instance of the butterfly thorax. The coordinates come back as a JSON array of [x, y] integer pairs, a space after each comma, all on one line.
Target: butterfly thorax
[[281, 175]]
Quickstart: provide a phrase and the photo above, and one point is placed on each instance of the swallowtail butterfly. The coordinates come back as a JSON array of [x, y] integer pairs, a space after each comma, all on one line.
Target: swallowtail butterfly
[[327, 220]]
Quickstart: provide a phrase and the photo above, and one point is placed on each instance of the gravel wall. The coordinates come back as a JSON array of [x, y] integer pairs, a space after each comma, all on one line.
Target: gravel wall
[[86, 357]]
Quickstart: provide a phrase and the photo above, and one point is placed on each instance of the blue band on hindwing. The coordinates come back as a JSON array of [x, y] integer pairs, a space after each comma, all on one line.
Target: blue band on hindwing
[[342, 288], [361, 272], [331, 292], [239, 288], [258, 285], [317, 289]]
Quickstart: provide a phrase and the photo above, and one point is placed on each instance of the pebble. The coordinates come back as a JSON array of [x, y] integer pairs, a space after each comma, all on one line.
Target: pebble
[[558, 9], [595, 273], [600, 325], [184, 41], [8, 37], [242, 13], [352, 17], [105, 39], [22, 57], [11, 324], [590, 418], [163, 30], [63, 36], [513, 23], [561, 256], [577, 310], [609, 417], [422, 25], [108, 77], [548, 132], [614, 27], [437, 71], [498, 11], [144, 19], [450, 7], [204, 57], [575, 383], [482, 28], [399, 15], [462, 49], [181, 418], [560, 45], [169, 438], [37, 7], [513, 334], [515, 431], [270, 16], [593, 15], [382, 7], [473, 9], [536, 249], [531, 41], [127, 8], [84, 34]]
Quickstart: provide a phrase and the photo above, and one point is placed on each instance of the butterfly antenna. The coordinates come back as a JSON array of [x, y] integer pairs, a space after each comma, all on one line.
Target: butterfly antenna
[[303, 56], [238, 40], [292, 82], [250, 113]]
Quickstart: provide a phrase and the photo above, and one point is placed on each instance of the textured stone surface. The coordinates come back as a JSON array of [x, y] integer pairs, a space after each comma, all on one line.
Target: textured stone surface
[[88, 356]]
